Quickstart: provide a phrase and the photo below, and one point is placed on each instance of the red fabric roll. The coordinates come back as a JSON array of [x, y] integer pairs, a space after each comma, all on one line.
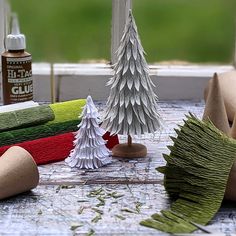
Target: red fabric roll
[[54, 148]]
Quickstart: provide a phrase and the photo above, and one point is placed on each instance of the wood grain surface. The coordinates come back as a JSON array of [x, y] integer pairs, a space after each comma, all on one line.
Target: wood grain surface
[[111, 200]]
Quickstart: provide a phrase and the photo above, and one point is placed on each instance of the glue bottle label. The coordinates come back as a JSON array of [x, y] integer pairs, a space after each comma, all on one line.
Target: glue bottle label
[[17, 80]]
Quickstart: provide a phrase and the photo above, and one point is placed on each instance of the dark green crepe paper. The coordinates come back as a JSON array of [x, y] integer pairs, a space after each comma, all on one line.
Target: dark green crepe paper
[[36, 132], [26, 117], [195, 175]]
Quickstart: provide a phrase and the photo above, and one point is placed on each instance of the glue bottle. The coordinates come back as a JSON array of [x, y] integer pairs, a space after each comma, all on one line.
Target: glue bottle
[[17, 82]]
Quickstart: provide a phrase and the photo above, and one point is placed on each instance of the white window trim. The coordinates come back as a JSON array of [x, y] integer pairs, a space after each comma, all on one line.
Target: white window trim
[[70, 81], [173, 82], [4, 19]]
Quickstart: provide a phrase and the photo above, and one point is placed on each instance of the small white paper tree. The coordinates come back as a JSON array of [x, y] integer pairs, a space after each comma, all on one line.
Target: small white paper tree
[[90, 149], [132, 105]]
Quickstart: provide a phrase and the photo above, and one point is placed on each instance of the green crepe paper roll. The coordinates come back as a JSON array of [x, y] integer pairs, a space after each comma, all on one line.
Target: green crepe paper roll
[[36, 132], [65, 111], [195, 176], [25, 117]]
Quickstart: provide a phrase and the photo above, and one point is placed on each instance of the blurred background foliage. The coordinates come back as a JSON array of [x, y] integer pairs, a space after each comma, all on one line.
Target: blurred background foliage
[[201, 31]]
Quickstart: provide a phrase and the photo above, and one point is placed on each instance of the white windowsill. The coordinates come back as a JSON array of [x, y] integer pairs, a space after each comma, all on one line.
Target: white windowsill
[[78, 80]]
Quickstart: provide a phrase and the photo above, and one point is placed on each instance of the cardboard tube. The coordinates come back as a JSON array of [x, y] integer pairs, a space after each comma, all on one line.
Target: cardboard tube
[[18, 172], [230, 192]]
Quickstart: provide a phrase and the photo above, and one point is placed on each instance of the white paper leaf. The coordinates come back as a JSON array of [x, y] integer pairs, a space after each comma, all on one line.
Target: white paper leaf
[[144, 100], [122, 99], [121, 117], [132, 66], [141, 115], [130, 82], [132, 100], [137, 84], [111, 81], [122, 84], [135, 51], [121, 114], [114, 129], [129, 51], [126, 67], [144, 83], [128, 55], [137, 98], [116, 101], [115, 82], [126, 102], [119, 68], [138, 66], [129, 117]]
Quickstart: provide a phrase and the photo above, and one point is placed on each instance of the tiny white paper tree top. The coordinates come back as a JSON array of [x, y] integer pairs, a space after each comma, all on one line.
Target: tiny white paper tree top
[[90, 149], [132, 105]]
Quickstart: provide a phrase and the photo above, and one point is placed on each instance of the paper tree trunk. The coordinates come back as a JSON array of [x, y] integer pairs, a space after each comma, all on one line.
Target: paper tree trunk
[[195, 176], [90, 149]]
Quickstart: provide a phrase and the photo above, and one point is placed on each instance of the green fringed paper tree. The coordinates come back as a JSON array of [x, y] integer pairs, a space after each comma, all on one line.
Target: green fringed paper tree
[[195, 176]]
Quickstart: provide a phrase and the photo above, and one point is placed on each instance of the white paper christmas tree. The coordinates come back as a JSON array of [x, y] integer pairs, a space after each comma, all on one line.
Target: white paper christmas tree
[[90, 149], [132, 105]]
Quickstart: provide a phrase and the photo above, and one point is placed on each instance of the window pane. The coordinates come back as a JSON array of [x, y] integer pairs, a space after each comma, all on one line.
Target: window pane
[[191, 30], [66, 30]]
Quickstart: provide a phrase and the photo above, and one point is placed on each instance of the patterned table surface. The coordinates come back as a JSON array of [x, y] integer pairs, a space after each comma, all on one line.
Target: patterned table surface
[[108, 201]]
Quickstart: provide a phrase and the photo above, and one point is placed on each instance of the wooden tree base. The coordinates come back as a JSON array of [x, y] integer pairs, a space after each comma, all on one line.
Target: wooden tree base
[[126, 151]]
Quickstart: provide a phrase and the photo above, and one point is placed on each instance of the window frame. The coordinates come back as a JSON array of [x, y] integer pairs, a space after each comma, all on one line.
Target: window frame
[[57, 82], [4, 19]]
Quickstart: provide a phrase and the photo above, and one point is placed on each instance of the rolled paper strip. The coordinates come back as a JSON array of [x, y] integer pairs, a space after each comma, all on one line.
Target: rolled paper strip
[[112, 140], [25, 117], [55, 148], [18, 172], [54, 113], [18, 106], [36, 132], [66, 111], [227, 83], [196, 176]]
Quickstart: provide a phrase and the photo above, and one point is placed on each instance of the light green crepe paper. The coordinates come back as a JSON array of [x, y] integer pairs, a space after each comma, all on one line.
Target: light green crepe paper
[[66, 111], [195, 175]]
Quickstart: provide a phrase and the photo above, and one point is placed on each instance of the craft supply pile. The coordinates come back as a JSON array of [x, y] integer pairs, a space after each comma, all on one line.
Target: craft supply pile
[[200, 168]]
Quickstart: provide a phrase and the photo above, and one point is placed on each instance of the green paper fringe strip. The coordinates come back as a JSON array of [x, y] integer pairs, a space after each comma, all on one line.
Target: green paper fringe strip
[[195, 176], [25, 117], [36, 132]]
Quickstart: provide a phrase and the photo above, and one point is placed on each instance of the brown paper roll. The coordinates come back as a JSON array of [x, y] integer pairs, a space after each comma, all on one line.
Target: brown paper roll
[[18, 172], [227, 83]]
